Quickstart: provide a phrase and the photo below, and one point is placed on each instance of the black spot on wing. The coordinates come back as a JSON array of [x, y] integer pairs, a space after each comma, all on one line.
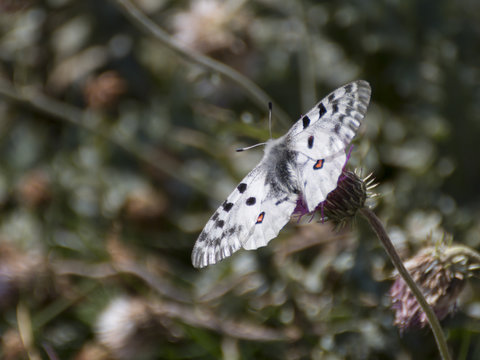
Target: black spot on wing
[[310, 142], [220, 223], [335, 108], [227, 206], [337, 128], [251, 201], [331, 97], [306, 121], [242, 187], [215, 216], [322, 110], [202, 237], [348, 88]]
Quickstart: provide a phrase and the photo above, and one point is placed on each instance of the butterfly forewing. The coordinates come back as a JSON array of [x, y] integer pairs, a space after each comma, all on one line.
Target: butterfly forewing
[[230, 224], [339, 115]]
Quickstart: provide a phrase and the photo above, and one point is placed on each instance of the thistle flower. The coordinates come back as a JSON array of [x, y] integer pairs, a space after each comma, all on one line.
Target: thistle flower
[[122, 326], [105, 90], [130, 325], [12, 345], [15, 5], [144, 205], [441, 274], [351, 194], [20, 271], [35, 189], [93, 350], [212, 25]]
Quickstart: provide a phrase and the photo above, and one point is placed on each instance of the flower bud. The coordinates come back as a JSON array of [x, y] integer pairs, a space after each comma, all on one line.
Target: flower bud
[[441, 275]]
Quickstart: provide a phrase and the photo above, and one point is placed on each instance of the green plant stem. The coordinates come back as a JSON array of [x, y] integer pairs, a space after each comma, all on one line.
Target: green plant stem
[[377, 226], [149, 27]]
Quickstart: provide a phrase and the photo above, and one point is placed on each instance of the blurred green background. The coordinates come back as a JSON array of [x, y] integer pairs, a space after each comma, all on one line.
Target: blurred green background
[[115, 150]]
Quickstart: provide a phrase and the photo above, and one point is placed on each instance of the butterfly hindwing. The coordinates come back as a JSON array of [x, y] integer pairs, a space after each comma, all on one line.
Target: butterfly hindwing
[[273, 214], [249, 218], [319, 177]]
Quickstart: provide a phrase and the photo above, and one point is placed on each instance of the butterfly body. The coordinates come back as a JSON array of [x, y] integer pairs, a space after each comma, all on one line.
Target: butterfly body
[[304, 164], [279, 161]]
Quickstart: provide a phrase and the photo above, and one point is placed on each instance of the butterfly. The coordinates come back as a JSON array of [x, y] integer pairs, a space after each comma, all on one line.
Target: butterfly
[[305, 163]]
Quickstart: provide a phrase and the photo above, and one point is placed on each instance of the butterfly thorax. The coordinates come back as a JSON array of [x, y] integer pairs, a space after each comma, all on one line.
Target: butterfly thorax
[[279, 160]]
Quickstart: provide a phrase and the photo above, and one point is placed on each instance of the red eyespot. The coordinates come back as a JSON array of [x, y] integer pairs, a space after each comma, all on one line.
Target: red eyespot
[[318, 164], [260, 217]]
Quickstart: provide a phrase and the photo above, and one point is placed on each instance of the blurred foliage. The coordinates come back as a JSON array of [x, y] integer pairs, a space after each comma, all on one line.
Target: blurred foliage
[[98, 216]]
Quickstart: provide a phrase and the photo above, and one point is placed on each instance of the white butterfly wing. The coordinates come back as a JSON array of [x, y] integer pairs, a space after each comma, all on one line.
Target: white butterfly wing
[[338, 114], [274, 214], [249, 218], [320, 138], [319, 177]]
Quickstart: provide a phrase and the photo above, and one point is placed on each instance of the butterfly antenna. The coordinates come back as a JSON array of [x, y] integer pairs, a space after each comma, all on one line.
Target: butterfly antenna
[[250, 147], [270, 107]]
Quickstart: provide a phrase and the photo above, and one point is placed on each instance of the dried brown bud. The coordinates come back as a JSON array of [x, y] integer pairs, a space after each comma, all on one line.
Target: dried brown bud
[[104, 90], [19, 271], [93, 350], [12, 345], [34, 189], [130, 325], [144, 205], [14, 5], [441, 275]]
